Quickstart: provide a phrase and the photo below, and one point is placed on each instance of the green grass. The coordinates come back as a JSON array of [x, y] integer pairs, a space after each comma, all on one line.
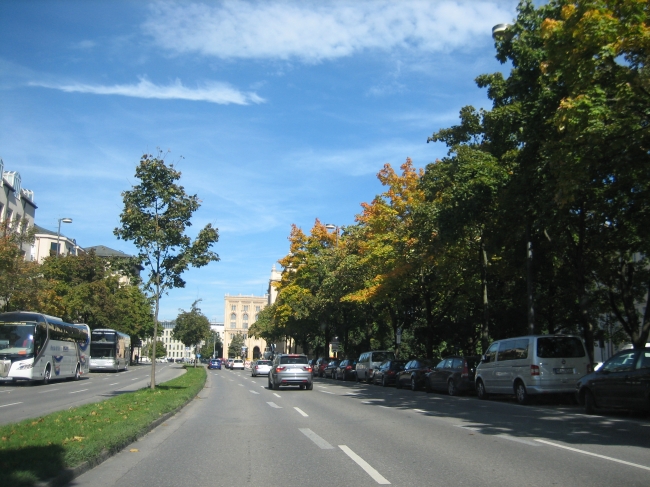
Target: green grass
[[38, 449]]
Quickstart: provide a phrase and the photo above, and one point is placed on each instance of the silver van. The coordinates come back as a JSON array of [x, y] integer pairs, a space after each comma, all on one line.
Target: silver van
[[532, 365], [368, 361]]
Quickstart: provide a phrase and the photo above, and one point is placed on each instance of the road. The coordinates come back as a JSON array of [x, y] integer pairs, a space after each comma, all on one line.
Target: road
[[24, 400], [238, 432]]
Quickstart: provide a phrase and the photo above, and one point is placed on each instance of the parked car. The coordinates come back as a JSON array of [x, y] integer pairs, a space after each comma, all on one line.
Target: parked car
[[229, 363], [346, 370], [369, 361], [623, 382], [214, 363], [291, 370], [237, 364], [532, 365], [386, 373], [261, 367], [328, 371], [321, 363], [454, 374], [414, 374]]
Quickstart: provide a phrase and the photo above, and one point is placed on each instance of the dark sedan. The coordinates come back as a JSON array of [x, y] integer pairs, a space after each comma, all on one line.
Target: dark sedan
[[414, 374], [329, 369], [455, 375], [386, 373], [319, 367], [346, 370], [623, 382]]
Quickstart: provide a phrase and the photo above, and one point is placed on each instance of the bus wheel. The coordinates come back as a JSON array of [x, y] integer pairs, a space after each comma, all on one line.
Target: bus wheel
[[77, 373], [46, 376]]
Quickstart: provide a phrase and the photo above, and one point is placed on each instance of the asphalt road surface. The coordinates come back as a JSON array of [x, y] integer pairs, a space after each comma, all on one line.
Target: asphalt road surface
[[238, 432], [25, 400]]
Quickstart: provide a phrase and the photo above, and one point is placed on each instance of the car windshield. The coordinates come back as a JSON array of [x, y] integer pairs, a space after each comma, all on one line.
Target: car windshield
[[382, 356], [293, 360], [560, 347]]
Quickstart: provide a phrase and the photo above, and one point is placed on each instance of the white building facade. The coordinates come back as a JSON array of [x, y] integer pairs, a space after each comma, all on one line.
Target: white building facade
[[17, 207]]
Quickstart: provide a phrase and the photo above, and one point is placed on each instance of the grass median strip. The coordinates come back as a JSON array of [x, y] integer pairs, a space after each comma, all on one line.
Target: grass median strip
[[38, 449]]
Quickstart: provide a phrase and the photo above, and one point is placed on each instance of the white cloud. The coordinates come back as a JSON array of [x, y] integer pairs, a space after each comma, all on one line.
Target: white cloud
[[315, 31], [212, 92]]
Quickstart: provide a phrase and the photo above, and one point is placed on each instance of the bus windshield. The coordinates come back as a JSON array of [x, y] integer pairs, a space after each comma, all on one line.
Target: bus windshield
[[102, 350], [16, 338], [104, 337]]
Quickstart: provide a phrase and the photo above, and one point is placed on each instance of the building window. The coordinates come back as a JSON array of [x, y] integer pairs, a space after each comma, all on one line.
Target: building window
[[258, 308], [233, 317], [233, 324], [246, 307], [233, 307], [245, 324]]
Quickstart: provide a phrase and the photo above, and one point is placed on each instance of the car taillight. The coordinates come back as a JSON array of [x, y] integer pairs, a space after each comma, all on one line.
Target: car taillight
[[307, 368], [348, 367], [390, 372], [534, 370], [465, 372], [280, 369]]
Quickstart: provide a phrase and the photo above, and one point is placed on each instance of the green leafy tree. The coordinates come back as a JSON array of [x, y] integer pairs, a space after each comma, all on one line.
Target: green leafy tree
[[213, 345], [234, 348], [155, 217], [19, 279], [192, 327], [161, 350]]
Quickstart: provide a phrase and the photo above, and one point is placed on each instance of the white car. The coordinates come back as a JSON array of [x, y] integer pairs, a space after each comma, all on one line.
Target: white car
[[237, 364], [261, 367]]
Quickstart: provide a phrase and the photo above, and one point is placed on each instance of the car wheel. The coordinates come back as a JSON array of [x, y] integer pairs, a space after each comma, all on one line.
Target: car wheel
[[414, 386], [427, 386], [384, 382], [590, 403], [480, 390], [310, 386], [302, 387], [452, 390], [521, 393], [270, 383], [335, 376], [398, 383]]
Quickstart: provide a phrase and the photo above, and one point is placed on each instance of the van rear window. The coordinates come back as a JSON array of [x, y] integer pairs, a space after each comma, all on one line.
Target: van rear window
[[382, 356], [560, 347]]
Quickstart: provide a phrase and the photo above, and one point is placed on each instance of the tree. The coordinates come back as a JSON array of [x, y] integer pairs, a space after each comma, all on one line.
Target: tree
[[192, 327], [161, 350], [234, 348], [156, 215], [19, 279], [212, 346]]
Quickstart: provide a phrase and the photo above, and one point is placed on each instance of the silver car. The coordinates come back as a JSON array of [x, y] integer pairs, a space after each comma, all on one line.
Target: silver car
[[291, 370], [261, 367]]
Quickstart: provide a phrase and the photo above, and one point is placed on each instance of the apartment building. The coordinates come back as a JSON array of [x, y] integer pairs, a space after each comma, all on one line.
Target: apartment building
[[17, 207], [240, 313]]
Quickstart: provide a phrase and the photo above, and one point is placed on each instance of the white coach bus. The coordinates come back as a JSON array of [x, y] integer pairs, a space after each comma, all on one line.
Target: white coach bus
[[34, 346], [109, 350]]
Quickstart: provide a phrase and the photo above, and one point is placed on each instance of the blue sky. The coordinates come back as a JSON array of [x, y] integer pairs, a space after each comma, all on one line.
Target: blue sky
[[275, 112]]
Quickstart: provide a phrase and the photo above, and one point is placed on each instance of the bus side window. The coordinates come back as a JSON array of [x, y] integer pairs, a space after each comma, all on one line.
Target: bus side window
[[41, 336]]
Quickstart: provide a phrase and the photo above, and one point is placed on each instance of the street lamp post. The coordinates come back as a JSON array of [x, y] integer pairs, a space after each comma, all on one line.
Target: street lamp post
[[58, 233], [336, 228]]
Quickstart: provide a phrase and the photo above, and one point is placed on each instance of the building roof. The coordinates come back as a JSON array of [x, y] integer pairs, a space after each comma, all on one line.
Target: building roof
[[103, 251], [40, 230]]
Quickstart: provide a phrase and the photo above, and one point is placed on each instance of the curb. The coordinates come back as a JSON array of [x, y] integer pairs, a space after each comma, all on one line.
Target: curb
[[65, 476]]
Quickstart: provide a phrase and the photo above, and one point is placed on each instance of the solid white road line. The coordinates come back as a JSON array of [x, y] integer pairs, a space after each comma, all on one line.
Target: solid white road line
[[274, 405], [364, 465], [594, 454], [12, 404], [321, 443], [301, 412]]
